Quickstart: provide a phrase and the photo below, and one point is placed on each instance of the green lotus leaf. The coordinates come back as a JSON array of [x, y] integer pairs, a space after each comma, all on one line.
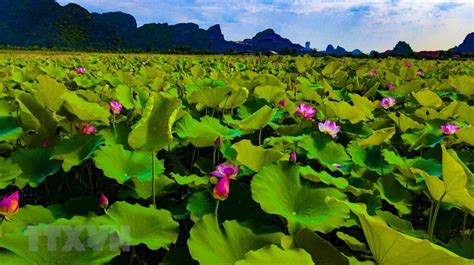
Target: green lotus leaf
[[396, 222], [269, 92], [408, 87], [432, 166], [210, 96], [256, 157], [353, 243], [6, 109], [276, 255], [75, 241], [30, 215], [394, 193], [378, 137], [465, 112], [427, 98], [258, 120], [462, 246], [116, 135], [9, 129], [455, 180], [9, 170], [364, 104], [429, 137], [86, 81], [205, 132], [344, 111], [310, 174], [278, 190], [201, 203], [136, 225], [238, 206], [35, 165], [391, 247], [321, 251], [139, 189], [193, 179], [122, 165], [153, 131], [124, 95], [325, 150], [85, 110], [369, 157], [49, 93], [76, 150], [33, 116], [463, 84], [435, 186], [466, 135], [210, 244], [236, 98], [404, 122]]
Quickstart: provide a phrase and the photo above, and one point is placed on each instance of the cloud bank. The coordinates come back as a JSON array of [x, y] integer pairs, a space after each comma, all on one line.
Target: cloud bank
[[369, 25]]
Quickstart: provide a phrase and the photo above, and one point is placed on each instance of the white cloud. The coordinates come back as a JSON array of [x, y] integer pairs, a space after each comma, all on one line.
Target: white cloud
[[366, 24]]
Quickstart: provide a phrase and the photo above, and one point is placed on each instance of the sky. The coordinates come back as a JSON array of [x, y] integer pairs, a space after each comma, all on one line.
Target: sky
[[363, 24]]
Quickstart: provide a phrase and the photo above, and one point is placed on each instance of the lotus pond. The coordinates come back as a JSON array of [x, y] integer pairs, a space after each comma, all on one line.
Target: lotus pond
[[143, 159]]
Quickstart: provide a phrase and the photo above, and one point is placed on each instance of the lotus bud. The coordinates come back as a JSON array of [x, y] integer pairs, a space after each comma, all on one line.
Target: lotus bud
[[9, 205], [103, 201]]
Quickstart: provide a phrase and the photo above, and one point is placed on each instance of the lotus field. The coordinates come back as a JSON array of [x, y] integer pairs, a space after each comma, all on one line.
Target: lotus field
[[144, 159]]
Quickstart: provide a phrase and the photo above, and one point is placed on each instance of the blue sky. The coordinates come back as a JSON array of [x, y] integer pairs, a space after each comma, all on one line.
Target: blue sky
[[364, 24]]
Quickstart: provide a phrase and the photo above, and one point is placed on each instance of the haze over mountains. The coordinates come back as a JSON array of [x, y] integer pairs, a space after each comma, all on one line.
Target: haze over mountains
[[45, 23]]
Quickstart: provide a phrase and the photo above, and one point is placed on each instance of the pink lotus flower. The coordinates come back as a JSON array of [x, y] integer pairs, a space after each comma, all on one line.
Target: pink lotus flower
[[449, 128], [9, 205], [388, 102], [420, 73], [221, 189], [372, 72], [89, 129], [226, 171], [103, 201], [115, 107], [408, 64], [337, 165], [293, 157], [329, 127], [390, 85], [282, 103], [218, 141], [81, 70], [305, 111]]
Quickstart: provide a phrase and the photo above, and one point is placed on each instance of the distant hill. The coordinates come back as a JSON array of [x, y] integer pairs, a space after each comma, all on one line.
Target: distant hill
[[467, 45], [45, 23], [401, 48], [268, 40], [340, 51]]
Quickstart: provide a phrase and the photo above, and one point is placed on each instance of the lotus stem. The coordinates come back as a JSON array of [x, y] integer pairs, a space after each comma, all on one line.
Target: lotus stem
[[217, 207], [381, 159], [153, 178], [464, 225], [214, 156], [113, 125], [433, 222], [260, 136], [430, 219]]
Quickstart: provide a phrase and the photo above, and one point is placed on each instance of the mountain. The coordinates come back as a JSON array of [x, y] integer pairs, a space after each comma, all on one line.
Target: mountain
[[45, 23], [268, 40], [401, 48], [467, 45], [339, 51]]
